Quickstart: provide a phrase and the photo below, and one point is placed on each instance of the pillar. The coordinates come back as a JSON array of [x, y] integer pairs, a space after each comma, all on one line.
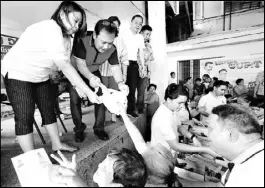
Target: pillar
[[157, 20]]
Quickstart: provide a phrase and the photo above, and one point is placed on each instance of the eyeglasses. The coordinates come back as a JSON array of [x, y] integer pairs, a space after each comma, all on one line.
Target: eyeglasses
[[107, 23]]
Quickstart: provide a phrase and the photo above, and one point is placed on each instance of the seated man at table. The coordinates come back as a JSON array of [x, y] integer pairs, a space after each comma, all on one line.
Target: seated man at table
[[235, 134]]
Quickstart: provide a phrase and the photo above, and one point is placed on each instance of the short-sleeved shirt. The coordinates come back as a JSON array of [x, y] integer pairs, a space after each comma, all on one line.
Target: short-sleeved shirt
[[86, 50], [133, 42], [105, 68], [164, 126], [210, 101], [248, 170], [38, 50], [260, 83], [148, 58]]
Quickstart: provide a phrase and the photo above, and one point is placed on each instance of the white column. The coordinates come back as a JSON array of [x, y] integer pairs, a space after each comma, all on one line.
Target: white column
[[159, 73]]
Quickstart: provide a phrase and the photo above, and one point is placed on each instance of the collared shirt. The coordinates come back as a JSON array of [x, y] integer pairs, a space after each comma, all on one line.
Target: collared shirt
[[122, 57], [248, 170], [210, 101], [133, 42], [39, 48], [148, 58], [85, 49]]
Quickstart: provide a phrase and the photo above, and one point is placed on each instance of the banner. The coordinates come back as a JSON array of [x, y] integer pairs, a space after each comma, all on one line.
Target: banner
[[6, 43], [232, 69]]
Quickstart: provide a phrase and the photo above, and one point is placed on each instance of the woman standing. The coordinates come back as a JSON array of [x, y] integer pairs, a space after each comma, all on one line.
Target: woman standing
[[27, 66]]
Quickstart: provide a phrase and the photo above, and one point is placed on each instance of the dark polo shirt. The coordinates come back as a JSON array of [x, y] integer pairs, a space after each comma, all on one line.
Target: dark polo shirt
[[85, 49]]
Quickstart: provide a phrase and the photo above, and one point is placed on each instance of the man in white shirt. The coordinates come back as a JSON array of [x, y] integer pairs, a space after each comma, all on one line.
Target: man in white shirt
[[211, 100], [172, 78], [235, 134], [134, 42]]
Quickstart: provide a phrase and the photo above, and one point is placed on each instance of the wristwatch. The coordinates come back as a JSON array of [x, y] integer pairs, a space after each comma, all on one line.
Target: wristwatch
[[193, 136]]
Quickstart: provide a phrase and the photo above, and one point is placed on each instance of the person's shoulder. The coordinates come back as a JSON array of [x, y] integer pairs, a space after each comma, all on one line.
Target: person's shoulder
[[46, 25]]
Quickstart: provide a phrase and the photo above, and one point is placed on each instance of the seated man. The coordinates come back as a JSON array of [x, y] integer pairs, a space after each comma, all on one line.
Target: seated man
[[234, 134], [120, 168], [211, 100]]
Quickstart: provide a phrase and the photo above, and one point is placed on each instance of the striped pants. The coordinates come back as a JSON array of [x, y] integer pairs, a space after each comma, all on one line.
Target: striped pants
[[23, 96]]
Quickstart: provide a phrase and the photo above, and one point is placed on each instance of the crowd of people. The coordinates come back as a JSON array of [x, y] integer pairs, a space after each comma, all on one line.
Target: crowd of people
[[120, 57]]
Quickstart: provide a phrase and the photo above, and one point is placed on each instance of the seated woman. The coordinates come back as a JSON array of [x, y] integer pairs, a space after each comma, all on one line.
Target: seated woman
[[158, 158], [120, 168], [152, 102]]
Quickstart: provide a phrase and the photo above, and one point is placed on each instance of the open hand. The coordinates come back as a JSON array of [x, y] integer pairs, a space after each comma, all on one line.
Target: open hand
[[64, 161]]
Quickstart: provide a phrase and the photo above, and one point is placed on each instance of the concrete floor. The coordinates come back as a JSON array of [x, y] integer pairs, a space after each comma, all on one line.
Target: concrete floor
[[10, 147]]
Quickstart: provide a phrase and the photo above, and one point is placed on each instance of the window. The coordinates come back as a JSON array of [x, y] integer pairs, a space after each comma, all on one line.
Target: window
[[188, 68], [241, 5]]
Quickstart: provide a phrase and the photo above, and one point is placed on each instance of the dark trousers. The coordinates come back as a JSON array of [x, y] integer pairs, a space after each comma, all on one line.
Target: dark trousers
[[75, 105], [132, 81], [141, 86], [23, 97]]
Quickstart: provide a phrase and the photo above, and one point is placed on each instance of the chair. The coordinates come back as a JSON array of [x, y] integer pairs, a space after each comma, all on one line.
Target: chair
[[4, 100]]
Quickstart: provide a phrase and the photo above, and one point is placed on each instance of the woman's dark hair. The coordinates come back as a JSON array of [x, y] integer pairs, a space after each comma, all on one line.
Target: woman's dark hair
[[106, 25], [239, 80], [173, 91], [114, 18], [67, 7], [151, 86]]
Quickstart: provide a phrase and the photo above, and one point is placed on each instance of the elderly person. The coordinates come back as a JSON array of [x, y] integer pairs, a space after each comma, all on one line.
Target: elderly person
[[120, 168]]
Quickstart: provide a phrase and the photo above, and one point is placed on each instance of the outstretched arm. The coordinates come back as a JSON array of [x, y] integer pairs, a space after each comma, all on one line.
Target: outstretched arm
[[133, 131]]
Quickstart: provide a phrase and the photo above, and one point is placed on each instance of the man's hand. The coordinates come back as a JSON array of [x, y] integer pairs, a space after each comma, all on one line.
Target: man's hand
[[94, 81], [64, 161], [123, 87], [93, 97]]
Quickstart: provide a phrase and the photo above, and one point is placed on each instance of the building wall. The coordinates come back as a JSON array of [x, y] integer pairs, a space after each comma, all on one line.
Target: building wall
[[230, 44], [245, 39], [209, 18]]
